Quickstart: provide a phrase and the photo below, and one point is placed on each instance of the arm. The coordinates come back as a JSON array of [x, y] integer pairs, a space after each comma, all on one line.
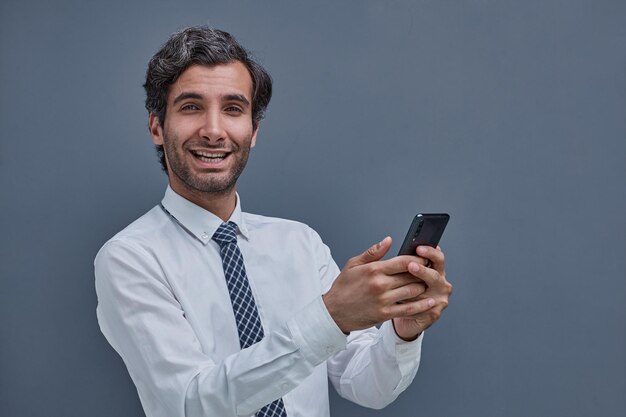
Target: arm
[[378, 365], [141, 318]]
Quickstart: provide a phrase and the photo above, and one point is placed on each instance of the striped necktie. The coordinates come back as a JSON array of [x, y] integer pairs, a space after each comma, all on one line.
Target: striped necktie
[[246, 314]]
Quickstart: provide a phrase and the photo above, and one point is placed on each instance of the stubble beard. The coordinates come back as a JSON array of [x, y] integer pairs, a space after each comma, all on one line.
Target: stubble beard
[[217, 183]]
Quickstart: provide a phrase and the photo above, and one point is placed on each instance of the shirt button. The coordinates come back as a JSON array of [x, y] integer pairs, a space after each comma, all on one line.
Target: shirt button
[[205, 236], [285, 385], [329, 349]]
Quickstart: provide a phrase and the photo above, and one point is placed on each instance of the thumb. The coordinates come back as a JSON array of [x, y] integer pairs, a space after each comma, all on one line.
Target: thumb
[[374, 253]]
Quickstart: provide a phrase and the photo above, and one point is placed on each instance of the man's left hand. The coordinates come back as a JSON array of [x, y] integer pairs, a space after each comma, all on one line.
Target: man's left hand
[[437, 288]]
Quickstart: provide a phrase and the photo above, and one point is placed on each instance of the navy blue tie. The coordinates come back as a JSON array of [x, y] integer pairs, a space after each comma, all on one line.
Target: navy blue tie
[[246, 314]]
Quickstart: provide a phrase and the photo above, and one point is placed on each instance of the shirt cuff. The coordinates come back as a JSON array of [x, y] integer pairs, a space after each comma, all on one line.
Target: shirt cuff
[[406, 353], [315, 332]]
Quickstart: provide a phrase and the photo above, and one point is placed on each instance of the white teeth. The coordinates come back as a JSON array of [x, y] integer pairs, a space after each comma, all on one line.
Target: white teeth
[[210, 155]]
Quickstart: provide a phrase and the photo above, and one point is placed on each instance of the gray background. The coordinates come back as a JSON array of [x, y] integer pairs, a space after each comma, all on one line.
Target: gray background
[[509, 115]]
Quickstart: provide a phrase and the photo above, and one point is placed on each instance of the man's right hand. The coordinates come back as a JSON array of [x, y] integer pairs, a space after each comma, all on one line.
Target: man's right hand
[[369, 291]]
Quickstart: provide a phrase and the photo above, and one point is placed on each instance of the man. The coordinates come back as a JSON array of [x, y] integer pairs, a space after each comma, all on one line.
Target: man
[[217, 312]]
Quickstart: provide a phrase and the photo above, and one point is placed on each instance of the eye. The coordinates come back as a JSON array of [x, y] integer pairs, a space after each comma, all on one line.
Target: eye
[[233, 109], [189, 107]]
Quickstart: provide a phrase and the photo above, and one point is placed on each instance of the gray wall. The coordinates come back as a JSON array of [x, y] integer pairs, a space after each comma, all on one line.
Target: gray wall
[[509, 115]]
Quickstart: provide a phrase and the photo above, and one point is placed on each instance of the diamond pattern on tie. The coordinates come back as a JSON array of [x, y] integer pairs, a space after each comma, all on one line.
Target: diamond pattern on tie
[[244, 307]]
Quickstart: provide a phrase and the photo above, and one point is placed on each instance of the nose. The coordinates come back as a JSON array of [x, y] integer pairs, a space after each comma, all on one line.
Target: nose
[[212, 128]]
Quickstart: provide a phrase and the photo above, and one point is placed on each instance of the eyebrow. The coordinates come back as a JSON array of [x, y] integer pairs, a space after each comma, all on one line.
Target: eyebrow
[[196, 96], [187, 95], [237, 97]]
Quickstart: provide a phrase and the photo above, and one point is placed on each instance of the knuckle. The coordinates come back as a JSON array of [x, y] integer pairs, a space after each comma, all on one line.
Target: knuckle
[[406, 261], [418, 289], [377, 284], [410, 291], [408, 309], [370, 269], [434, 315], [386, 313], [352, 262]]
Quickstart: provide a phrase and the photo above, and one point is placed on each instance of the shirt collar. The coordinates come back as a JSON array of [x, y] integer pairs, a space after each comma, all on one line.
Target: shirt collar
[[198, 221]]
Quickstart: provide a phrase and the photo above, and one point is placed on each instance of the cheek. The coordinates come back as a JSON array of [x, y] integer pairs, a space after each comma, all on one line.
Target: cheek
[[241, 132], [177, 133]]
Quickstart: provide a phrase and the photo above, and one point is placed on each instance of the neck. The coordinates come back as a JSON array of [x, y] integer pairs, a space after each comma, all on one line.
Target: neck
[[221, 203]]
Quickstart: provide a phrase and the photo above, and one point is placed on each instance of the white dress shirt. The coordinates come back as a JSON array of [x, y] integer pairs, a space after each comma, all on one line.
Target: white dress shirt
[[164, 306]]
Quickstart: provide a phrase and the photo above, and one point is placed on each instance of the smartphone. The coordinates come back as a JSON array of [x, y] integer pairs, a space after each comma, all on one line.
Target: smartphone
[[426, 229]]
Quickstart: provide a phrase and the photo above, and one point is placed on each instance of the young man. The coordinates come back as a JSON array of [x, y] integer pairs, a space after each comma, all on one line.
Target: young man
[[217, 312]]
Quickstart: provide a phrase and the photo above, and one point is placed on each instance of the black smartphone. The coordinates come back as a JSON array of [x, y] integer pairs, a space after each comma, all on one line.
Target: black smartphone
[[426, 229]]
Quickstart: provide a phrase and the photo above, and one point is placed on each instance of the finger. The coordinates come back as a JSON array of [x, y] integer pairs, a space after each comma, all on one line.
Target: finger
[[436, 256], [405, 293], [412, 308], [422, 261], [397, 265], [430, 316], [430, 276], [402, 279], [384, 283], [374, 253]]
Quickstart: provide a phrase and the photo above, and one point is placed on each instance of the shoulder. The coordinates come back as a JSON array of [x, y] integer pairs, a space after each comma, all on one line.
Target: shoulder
[[140, 236], [132, 258], [257, 222], [293, 240], [288, 231]]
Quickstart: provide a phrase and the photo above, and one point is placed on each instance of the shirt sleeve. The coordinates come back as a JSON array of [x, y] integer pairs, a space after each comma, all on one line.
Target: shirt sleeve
[[139, 315], [376, 365]]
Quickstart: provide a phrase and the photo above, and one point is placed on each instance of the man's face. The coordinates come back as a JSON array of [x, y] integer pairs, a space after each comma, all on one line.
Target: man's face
[[207, 132]]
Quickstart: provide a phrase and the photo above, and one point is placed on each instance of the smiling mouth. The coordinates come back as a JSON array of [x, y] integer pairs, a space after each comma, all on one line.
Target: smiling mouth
[[211, 157]]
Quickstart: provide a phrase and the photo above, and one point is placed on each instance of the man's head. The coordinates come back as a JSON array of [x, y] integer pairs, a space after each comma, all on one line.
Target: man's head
[[200, 46]]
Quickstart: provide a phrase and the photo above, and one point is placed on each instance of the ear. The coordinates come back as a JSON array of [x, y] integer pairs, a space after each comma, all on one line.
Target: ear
[[155, 129], [253, 142]]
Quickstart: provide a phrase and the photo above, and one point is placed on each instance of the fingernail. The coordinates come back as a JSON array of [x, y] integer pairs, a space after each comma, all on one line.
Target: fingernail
[[379, 244], [431, 302], [422, 250], [414, 267]]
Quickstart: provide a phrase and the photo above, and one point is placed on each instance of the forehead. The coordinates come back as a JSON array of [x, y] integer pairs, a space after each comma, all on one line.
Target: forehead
[[214, 81]]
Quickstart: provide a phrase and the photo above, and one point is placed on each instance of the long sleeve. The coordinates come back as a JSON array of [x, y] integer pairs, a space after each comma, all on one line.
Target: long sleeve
[[376, 365], [140, 316]]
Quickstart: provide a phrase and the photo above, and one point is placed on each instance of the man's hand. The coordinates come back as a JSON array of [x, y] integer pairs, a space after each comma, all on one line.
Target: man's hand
[[437, 289], [369, 291]]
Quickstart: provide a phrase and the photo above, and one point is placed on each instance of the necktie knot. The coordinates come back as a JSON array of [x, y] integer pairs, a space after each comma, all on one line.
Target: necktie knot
[[225, 234]]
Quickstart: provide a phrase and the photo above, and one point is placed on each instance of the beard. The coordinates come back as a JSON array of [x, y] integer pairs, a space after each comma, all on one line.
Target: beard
[[206, 182]]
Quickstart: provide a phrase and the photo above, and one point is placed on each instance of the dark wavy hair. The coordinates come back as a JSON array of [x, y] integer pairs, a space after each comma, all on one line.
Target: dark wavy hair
[[204, 46]]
